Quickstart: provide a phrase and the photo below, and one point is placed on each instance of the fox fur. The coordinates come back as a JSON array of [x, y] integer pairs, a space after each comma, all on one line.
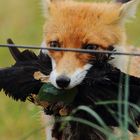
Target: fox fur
[[73, 24]]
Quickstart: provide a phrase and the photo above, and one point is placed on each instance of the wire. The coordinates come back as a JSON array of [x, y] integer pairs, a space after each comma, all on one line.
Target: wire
[[70, 50]]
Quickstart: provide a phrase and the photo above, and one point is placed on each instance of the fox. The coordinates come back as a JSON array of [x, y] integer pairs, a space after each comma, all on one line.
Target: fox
[[85, 25]]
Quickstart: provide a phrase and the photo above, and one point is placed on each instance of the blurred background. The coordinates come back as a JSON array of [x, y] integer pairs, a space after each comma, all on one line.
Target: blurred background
[[22, 21]]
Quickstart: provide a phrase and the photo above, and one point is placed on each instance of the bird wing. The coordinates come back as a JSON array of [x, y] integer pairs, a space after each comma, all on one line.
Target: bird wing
[[18, 81]]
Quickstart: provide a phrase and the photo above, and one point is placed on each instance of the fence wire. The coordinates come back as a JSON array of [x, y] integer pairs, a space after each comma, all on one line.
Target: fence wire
[[71, 50]]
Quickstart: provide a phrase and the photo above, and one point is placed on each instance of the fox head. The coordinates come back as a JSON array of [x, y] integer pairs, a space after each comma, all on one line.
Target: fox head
[[84, 25]]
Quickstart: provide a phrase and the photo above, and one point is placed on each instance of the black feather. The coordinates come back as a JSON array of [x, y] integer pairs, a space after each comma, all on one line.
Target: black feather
[[100, 84], [104, 86], [14, 51], [18, 81]]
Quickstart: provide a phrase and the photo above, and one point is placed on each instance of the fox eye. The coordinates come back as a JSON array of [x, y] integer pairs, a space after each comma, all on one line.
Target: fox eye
[[54, 44], [91, 46]]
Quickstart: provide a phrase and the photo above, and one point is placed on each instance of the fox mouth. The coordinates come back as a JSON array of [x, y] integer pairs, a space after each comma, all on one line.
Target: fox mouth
[[64, 81], [97, 73], [93, 71]]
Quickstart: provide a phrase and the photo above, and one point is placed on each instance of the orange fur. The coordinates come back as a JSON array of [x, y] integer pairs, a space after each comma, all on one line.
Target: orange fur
[[137, 138], [86, 22], [69, 62], [76, 23]]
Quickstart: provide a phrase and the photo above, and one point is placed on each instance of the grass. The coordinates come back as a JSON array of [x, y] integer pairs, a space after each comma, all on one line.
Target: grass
[[22, 21]]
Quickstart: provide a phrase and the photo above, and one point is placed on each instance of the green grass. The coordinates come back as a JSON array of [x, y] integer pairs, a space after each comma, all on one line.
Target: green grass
[[22, 21]]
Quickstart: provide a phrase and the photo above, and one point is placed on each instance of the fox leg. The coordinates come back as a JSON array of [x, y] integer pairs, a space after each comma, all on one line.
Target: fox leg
[[48, 122]]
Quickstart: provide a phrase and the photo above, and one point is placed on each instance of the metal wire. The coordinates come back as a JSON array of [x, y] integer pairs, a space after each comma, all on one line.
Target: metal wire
[[70, 50]]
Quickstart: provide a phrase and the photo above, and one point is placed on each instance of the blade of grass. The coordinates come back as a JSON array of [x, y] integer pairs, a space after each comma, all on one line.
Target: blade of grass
[[86, 122], [92, 113], [126, 92], [120, 100]]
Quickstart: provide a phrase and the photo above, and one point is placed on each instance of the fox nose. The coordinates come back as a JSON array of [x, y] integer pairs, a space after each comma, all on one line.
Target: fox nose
[[63, 81]]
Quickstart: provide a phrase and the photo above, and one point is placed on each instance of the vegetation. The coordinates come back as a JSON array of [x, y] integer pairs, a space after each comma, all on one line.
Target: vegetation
[[22, 21]]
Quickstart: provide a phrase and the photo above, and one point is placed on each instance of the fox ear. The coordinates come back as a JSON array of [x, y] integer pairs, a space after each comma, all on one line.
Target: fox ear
[[127, 10], [46, 4]]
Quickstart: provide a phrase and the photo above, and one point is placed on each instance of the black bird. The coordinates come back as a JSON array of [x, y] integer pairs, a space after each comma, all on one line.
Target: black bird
[[101, 83], [17, 81]]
